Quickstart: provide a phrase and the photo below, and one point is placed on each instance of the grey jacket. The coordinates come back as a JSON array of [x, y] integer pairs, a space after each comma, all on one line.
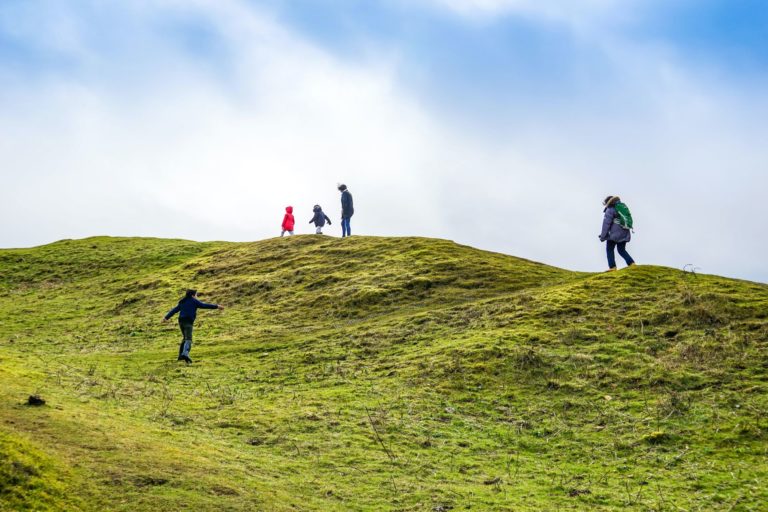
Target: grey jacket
[[319, 218], [612, 230]]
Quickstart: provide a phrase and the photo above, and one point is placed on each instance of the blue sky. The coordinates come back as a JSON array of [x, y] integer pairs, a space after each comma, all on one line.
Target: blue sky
[[496, 123]]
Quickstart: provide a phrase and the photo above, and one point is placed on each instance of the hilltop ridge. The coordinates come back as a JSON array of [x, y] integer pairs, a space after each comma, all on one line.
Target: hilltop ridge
[[375, 373]]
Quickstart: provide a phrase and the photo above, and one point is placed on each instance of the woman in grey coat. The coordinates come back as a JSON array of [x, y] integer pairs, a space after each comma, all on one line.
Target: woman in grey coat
[[614, 234]]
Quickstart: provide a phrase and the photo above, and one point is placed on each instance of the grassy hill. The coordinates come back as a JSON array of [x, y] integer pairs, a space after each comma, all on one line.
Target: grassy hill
[[375, 374]]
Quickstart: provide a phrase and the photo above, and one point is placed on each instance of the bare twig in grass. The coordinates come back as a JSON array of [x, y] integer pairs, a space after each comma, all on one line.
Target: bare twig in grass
[[603, 478], [353, 467], [660, 494], [677, 457], [378, 437], [394, 485], [632, 499], [736, 502], [690, 268], [166, 401], [516, 460]]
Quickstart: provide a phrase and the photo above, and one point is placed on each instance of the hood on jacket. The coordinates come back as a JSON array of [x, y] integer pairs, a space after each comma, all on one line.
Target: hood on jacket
[[289, 209], [316, 208], [610, 201]]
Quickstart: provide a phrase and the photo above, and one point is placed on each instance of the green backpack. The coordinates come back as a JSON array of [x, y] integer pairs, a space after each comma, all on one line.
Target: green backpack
[[623, 215]]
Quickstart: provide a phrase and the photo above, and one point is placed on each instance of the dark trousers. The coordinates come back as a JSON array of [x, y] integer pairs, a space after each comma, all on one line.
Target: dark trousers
[[345, 229], [186, 337], [621, 246]]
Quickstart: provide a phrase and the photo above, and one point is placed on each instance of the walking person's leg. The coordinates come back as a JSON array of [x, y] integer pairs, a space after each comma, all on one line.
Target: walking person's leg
[[345, 229], [186, 329], [185, 353], [609, 247], [183, 340], [621, 247]]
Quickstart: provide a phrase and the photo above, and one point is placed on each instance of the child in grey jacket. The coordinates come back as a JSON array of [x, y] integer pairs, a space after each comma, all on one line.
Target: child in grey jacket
[[319, 219]]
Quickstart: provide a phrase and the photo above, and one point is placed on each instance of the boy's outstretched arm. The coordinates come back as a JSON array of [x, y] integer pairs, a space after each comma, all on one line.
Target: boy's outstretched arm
[[171, 313], [205, 305]]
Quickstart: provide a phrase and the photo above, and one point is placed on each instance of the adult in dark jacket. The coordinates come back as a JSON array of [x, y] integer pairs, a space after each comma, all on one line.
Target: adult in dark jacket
[[187, 310], [319, 219], [614, 234], [347, 210]]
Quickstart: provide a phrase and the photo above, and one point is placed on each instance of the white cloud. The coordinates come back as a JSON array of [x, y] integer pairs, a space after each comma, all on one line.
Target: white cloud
[[226, 163], [162, 146], [578, 14]]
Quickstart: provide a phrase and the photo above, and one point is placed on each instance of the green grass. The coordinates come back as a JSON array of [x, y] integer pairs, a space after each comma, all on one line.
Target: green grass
[[375, 374]]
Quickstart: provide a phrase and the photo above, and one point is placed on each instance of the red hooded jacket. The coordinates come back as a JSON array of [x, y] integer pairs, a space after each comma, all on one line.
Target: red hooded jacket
[[288, 221]]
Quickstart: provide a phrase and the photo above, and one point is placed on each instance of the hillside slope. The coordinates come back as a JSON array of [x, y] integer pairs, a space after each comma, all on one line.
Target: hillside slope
[[375, 374]]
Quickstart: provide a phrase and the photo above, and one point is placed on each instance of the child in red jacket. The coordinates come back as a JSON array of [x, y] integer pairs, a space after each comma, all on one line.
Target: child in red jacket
[[288, 221]]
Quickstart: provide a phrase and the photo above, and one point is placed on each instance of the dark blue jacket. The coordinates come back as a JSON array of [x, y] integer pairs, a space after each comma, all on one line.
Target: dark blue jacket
[[187, 308], [320, 218], [347, 209]]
